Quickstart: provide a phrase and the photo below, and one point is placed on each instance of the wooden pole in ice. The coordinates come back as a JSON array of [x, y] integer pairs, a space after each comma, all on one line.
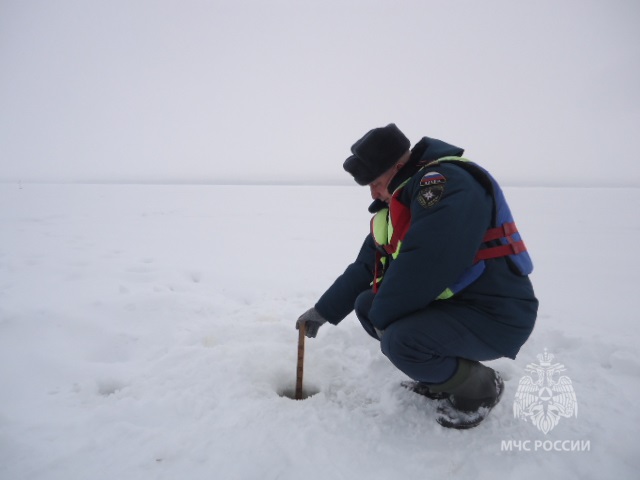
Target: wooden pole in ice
[[300, 368]]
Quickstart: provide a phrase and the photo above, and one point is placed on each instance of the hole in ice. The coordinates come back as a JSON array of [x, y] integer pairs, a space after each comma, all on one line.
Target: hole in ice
[[290, 392]]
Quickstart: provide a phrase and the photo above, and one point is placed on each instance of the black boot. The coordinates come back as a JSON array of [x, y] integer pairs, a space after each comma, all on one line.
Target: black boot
[[473, 391]]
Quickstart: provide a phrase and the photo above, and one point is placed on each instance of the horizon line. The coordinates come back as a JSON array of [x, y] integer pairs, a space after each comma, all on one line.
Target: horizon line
[[292, 183]]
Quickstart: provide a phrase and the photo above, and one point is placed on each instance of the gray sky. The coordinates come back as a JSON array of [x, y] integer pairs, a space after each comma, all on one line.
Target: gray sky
[[540, 92]]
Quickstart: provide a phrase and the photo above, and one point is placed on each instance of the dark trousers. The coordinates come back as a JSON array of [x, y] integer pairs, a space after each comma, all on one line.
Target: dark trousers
[[426, 345]]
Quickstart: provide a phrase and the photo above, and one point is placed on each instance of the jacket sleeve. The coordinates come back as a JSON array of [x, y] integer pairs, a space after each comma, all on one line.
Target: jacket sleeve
[[441, 243], [338, 301]]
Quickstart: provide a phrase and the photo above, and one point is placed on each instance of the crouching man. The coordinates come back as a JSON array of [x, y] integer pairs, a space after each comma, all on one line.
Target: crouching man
[[442, 277]]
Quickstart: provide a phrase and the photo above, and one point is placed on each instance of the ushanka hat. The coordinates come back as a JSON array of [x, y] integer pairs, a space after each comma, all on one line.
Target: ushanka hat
[[375, 153]]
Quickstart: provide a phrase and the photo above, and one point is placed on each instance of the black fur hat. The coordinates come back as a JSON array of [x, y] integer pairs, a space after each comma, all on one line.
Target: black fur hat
[[375, 153]]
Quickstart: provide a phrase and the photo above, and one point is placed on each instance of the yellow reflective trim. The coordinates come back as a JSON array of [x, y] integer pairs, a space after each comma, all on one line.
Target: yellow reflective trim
[[448, 293], [380, 227], [446, 159], [397, 252]]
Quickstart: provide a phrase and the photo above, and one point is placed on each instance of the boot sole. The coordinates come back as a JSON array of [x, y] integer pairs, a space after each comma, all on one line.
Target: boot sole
[[450, 417], [421, 389]]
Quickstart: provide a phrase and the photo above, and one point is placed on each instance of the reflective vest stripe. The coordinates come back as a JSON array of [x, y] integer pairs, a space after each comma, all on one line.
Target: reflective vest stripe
[[505, 231], [501, 251]]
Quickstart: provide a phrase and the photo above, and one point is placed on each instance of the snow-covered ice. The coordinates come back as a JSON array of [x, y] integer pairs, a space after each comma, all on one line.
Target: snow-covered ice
[[146, 331]]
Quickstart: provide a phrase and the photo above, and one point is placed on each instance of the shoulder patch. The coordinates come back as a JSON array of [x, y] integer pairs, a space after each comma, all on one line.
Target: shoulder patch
[[432, 178], [429, 196]]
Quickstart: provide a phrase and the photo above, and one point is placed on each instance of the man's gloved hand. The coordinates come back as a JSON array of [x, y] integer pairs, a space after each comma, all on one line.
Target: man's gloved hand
[[312, 321]]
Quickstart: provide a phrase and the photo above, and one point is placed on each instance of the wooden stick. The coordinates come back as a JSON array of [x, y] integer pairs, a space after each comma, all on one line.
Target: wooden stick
[[300, 369]]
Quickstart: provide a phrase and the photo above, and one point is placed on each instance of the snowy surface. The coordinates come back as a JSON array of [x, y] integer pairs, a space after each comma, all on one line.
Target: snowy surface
[[146, 331]]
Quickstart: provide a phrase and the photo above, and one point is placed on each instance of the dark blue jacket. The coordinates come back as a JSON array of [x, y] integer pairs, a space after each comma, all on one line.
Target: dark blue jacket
[[441, 243]]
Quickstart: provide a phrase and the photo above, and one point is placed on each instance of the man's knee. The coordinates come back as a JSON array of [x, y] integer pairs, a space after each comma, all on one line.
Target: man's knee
[[396, 342], [417, 359]]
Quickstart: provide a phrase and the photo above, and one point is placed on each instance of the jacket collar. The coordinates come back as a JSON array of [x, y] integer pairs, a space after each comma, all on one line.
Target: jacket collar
[[425, 151]]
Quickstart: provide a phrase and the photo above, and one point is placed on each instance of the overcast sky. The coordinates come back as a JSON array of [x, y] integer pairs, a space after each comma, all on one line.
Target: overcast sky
[[540, 92]]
